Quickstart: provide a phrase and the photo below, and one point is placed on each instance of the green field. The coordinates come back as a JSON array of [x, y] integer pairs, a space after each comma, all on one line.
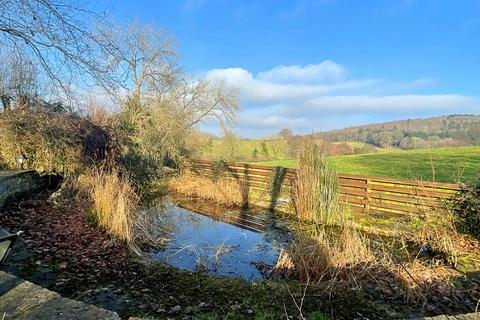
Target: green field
[[441, 165]]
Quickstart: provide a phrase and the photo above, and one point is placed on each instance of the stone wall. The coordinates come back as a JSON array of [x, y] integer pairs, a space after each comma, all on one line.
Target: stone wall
[[15, 183]]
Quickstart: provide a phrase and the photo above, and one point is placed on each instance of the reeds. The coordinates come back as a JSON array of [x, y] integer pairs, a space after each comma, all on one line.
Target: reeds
[[221, 191], [315, 188]]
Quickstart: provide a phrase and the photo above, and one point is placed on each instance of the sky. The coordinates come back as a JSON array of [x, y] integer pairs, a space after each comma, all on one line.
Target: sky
[[317, 65]]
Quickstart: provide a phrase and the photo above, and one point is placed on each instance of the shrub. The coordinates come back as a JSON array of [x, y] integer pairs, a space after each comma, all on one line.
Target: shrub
[[466, 208], [315, 188], [53, 142]]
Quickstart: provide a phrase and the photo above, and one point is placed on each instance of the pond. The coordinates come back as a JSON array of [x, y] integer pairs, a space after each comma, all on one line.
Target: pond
[[216, 241]]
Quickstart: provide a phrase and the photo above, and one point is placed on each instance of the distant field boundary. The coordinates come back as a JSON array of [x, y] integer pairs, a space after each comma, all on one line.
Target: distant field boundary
[[373, 195]]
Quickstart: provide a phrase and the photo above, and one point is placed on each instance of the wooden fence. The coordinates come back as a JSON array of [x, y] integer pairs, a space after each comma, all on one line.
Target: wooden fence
[[373, 195]]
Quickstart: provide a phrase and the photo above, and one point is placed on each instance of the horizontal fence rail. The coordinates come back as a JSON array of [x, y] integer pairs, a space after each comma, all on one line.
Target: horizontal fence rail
[[373, 195]]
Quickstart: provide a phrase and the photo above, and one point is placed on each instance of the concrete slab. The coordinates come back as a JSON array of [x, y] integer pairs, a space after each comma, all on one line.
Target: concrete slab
[[21, 299]]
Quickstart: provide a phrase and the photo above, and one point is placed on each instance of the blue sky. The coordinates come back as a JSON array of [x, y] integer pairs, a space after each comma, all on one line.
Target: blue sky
[[322, 64]]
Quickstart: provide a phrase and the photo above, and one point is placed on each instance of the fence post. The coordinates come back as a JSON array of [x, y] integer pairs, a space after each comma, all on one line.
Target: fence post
[[367, 196]]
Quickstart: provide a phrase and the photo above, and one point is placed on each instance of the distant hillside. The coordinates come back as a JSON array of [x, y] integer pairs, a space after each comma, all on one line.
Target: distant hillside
[[435, 132]]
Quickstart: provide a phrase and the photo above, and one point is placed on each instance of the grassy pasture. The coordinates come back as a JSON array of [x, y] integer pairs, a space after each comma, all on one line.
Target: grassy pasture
[[441, 165]]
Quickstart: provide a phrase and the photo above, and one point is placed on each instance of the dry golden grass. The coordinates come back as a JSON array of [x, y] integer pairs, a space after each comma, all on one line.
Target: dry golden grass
[[114, 203], [221, 191], [326, 258], [421, 279], [346, 260]]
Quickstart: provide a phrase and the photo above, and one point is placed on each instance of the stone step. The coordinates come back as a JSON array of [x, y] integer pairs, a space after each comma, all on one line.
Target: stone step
[[21, 299]]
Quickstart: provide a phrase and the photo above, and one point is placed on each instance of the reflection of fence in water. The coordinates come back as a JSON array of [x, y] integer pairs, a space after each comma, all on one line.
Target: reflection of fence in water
[[240, 218], [373, 195]]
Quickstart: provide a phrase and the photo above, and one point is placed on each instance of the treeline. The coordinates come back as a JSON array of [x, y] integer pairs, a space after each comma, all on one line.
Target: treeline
[[284, 145], [436, 132]]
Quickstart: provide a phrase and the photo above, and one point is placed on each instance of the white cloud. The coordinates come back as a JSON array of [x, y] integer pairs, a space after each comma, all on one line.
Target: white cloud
[[321, 96], [260, 88], [327, 71], [408, 103]]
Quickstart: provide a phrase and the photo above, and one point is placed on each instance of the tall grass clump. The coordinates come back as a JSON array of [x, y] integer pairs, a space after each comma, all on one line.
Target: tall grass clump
[[315, 191], [113, 202]]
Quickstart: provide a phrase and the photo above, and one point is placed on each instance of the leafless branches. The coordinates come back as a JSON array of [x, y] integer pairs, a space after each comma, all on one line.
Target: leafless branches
[[145, 59], [58, 37]]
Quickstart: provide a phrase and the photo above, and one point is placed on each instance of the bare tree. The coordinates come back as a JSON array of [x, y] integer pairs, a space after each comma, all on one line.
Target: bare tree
[[57, 36], [19, 83], [145, 58], [205, 99], [147, 61]]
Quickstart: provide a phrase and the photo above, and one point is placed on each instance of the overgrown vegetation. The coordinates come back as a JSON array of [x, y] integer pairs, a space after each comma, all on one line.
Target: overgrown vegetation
[[58, 142], [109, 158], [318, 256], [466, 208], [341, 259], [434, 231]]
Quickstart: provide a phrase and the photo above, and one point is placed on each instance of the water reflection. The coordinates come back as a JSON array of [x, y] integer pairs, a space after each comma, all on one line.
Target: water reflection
[[216, 241]]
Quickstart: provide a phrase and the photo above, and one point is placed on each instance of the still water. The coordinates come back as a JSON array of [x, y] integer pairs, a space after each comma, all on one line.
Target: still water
[[216, 241]]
